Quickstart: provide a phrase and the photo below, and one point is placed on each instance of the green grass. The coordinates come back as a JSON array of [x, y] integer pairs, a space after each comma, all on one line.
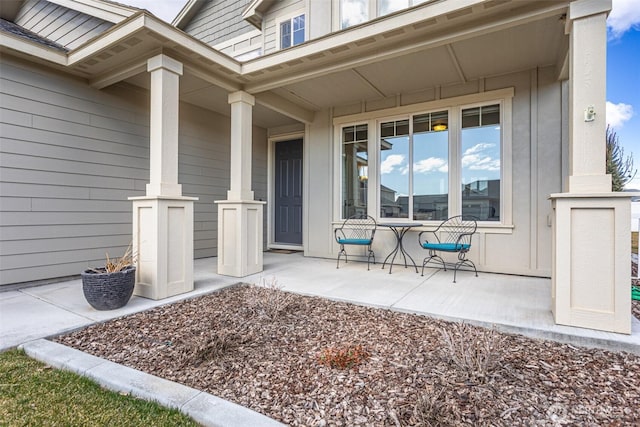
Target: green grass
[[33, 394]]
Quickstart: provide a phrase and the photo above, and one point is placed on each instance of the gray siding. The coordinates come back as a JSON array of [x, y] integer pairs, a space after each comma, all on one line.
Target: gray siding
[[278, 10], [70, 156], [218, 21], [64, 26]]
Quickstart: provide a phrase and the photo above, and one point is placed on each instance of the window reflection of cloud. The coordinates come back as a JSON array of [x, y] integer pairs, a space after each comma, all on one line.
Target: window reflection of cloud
[[390, 164], [432, 164], [353, 12], [477, 158]]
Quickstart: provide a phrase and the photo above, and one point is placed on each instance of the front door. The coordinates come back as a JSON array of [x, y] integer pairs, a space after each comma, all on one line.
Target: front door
[[288, 192]]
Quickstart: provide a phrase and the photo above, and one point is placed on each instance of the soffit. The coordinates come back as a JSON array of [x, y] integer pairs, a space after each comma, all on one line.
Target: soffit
[[534, 44], [201, 93], [402, 33]]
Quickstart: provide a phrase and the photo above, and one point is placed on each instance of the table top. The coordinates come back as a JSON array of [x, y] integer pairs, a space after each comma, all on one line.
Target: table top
[[400, 224]]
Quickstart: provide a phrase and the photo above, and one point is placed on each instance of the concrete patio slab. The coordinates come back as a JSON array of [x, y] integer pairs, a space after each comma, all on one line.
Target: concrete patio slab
[[509, 303]]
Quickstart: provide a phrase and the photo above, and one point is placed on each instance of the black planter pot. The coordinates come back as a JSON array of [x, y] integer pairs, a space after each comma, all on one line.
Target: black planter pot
[[108, 291]]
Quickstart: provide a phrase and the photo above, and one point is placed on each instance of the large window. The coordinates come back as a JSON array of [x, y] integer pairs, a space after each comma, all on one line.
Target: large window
[[354, 12], [428, 166], [480, 171], [414, 167], [292, 32], [355, 166]]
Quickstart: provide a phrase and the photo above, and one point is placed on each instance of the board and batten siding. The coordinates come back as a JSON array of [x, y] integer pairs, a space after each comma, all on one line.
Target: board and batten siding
[[71, 155], [62, 25], [218, 21]]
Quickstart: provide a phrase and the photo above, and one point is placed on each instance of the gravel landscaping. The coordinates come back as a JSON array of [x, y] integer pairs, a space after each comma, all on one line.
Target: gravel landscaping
[[310, 361]]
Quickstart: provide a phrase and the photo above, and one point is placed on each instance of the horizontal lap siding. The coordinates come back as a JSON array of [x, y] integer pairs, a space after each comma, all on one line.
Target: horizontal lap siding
[[70, 156], [64, 26], [218, 21]]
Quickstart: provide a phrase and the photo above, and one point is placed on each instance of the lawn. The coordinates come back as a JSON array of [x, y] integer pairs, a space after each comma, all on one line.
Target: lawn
[[34, 394]]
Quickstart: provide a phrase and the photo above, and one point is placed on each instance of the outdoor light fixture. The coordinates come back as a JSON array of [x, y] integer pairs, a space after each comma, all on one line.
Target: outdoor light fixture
[[439, 127]]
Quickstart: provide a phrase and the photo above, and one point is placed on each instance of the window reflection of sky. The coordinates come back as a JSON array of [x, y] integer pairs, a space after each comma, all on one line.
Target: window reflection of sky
[[480, 154]]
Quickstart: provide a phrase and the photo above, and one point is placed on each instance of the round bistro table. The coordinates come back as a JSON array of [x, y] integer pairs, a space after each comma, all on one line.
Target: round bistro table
[[399, 230]]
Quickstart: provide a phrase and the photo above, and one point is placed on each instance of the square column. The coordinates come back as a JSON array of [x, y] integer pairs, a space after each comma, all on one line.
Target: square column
[[591, 271], [163, 219], [591, 224], [240, 217], [239, 237], [587, 29]]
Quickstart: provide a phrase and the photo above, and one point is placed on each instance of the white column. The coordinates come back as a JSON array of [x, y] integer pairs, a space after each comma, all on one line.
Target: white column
[[240, 216], [241, 144], [587, 96], [163, 147], [591, 225], [163, 219]]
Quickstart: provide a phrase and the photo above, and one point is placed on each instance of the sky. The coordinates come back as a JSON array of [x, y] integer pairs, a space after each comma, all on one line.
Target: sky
[[623, 68]]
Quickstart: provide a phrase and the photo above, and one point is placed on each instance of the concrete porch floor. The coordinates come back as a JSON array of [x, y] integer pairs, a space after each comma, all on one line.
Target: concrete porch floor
[[509, 303]]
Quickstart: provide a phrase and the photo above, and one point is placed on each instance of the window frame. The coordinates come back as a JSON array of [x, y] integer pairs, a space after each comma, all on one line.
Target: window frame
[[454, 106], [290, 17]]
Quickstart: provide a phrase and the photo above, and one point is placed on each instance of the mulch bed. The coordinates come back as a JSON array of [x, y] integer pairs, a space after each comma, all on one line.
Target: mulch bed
[[314, 362]]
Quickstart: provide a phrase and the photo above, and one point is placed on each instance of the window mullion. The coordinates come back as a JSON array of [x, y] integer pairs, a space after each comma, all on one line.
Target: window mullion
[[455, 163], [410, 215]]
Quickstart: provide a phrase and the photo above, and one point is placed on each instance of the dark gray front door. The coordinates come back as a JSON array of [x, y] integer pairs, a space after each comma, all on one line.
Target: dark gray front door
[[288, 192]]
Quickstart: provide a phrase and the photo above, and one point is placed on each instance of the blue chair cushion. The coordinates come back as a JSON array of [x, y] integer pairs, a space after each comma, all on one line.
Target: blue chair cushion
[[354, 241], [447, 247]]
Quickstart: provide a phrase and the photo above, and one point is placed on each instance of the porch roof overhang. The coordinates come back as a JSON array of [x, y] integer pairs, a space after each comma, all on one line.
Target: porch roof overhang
[[434, 44]]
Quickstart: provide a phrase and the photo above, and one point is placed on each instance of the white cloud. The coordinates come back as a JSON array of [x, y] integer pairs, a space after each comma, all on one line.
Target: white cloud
[[430, 165], [478, 148], [618, 114], [475, 158], [624, 16], [389, 164]]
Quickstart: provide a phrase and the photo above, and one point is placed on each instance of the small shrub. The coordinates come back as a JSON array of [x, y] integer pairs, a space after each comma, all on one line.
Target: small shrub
[[344, 357], [476, 352], [268, 299], [206, 349], [436, 407]]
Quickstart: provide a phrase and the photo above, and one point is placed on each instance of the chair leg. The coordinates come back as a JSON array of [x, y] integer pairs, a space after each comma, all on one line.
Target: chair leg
[[369, 255], [463, 261], [342, 251]]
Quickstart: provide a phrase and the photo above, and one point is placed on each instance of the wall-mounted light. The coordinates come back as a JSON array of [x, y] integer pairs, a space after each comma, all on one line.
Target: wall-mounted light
[[439, 127], [589, 113]]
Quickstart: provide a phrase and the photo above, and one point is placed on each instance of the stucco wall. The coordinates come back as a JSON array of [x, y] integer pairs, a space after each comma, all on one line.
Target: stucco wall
[[70, 156]]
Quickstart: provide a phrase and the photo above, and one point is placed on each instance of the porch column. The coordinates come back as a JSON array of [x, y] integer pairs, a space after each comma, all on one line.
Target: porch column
[[591, 227], [163, 218], [240, 216]]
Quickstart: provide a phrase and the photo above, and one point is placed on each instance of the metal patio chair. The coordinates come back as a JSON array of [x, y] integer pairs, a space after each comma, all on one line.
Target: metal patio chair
[[358, 230], [453, 235]]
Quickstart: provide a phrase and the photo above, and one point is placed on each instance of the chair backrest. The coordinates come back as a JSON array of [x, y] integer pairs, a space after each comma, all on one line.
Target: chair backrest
[[457, 229], [359, 226]]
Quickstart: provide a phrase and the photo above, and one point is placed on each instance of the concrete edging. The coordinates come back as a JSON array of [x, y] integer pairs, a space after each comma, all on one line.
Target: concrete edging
[[204, 408]]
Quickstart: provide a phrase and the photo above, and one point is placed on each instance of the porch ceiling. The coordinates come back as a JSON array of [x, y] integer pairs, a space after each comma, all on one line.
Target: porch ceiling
[[534, 44], [201, 93]]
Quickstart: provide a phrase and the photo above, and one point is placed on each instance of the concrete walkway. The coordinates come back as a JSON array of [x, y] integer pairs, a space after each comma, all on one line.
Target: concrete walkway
[[508, 303]]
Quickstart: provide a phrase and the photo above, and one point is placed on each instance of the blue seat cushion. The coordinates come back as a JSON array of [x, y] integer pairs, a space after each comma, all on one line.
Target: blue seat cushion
[[447, 247], [354, 241]]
